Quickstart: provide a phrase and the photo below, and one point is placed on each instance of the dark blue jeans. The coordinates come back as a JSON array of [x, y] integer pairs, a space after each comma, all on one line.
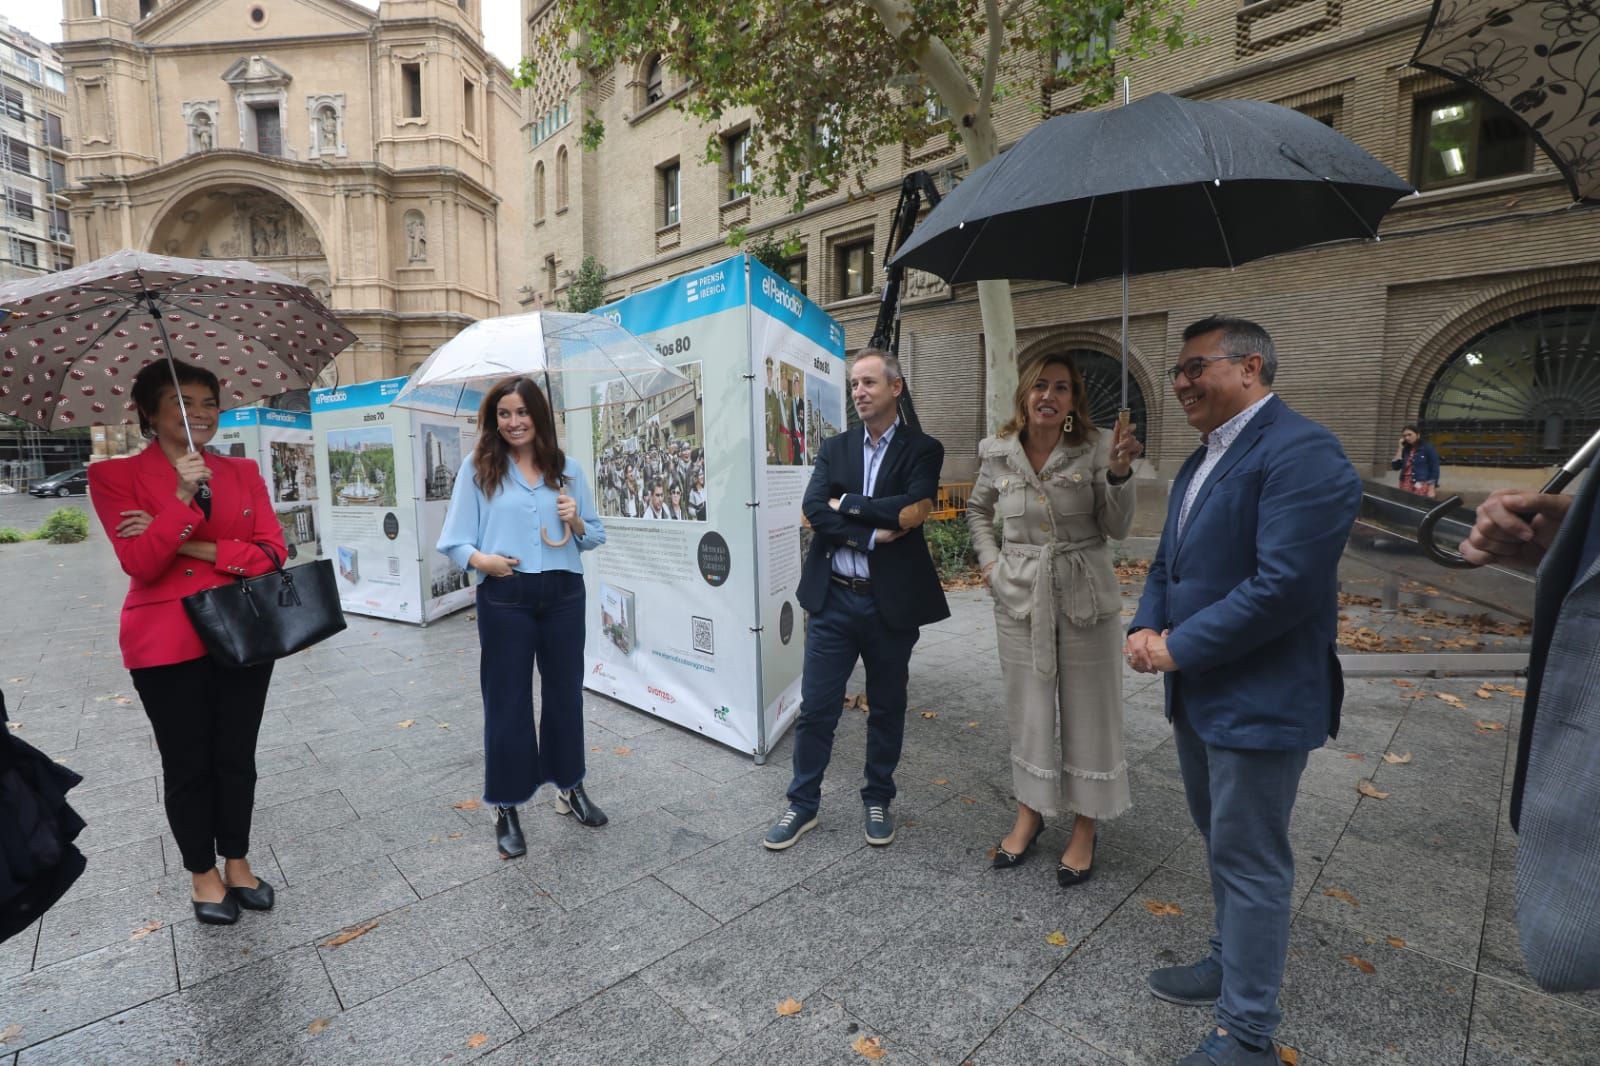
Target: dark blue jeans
[[1241, 801], [522, 620], [847, 628]]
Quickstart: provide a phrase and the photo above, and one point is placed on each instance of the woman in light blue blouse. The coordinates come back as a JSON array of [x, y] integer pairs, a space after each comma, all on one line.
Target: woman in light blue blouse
[[521, 515]]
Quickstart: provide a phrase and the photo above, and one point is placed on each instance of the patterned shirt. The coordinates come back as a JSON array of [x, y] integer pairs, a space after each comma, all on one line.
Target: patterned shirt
[[1217, 443], [847, 562]]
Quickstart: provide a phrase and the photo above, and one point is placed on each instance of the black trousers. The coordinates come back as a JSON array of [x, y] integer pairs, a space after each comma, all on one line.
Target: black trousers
[[206, 718]]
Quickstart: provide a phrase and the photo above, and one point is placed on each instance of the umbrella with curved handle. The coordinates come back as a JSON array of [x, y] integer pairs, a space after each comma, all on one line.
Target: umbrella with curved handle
[[1445, 557]]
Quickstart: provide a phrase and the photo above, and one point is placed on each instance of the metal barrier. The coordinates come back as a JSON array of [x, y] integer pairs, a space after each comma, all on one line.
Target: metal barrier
[[951, 502]]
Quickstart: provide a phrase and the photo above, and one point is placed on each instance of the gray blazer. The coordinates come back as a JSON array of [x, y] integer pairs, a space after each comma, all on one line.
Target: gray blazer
[[1555, 796]]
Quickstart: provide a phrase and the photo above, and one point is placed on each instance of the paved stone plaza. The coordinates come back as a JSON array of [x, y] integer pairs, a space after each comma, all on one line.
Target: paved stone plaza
[[671, 936]]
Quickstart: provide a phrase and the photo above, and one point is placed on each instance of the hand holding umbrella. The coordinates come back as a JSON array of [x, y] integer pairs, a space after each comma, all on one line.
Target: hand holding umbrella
[[1125, 448], [567, 511]]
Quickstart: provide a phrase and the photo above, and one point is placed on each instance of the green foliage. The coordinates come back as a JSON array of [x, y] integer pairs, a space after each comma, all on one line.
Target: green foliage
[[12, 535], [951, 545], [829, 86], [769, 249], [587, 289], [66, 525]]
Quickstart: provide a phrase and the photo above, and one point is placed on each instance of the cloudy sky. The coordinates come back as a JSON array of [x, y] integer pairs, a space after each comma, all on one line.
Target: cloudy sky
[[500, 18]]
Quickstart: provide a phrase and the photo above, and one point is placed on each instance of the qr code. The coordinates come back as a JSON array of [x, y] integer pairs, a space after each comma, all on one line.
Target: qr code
[[702, 636], [394, 566]]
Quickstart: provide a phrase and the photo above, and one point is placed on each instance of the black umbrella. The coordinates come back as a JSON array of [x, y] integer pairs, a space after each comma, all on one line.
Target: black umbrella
[[1160, 184]]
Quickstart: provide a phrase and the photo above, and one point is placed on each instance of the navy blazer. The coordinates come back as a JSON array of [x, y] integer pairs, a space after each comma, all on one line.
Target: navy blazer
[[1250, 590], [904, 581]]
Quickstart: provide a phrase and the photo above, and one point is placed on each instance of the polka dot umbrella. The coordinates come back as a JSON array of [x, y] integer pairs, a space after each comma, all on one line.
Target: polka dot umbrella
[[74, 340]]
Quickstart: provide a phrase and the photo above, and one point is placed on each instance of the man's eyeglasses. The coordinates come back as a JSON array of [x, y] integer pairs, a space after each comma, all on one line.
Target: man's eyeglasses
[[1193, 368]]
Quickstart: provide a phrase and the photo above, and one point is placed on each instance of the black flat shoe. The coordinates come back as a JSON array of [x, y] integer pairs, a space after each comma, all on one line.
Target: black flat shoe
[[259, 898], [1067, 876], [224, 913], [578, 804], [508, 833], [1004, 860]]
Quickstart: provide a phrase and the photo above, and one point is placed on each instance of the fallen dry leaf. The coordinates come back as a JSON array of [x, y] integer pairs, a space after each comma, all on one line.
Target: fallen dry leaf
[[1359, 963], [1354, 755], [1403, 683], [1288, 1056], [1489, 727], [1163, 909], [477, 1040], [972, 725], [1452, 699], [790, 1007], [991, 853], [1485, 693], [1396, 760], [1342, 895], [10, 1032], [13, 726], [350, 934], [444, 725], [856, 701], [1057, 938], [318, 1026], [968, 800], [930, 714], [467, 804], [145, 930], [123, 700], [1394, 941], [941, 780], [868, 1046], [454, 836], [1367, 788], [622, 751], [407, 724]]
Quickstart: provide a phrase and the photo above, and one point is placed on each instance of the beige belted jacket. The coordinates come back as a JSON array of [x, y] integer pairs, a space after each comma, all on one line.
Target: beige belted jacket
[[1052, 557]]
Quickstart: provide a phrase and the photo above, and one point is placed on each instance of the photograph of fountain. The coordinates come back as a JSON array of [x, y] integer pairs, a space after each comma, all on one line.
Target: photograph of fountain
[[361, 467]]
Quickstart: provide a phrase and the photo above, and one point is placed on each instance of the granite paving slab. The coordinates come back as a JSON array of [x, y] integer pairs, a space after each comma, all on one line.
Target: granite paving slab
[[821, 1034], [628, 1024], [57, 999], [1024, 1037], [1514, 1027]]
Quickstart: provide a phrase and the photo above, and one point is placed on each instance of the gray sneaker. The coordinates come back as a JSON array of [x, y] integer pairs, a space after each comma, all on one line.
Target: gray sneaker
[[788, 829], [880, 825], [1190, 986]]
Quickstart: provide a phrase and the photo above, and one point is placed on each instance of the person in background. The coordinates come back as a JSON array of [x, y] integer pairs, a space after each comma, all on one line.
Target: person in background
[[522, 515], [1418, 463], [180, 522], [1064, 488]]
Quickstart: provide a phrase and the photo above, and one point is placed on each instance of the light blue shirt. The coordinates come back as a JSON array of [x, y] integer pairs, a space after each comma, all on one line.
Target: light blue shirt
[[1217, 443], [509, 523], [847, 562]]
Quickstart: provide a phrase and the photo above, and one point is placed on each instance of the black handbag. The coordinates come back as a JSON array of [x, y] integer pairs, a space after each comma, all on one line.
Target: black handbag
[[255, 620]]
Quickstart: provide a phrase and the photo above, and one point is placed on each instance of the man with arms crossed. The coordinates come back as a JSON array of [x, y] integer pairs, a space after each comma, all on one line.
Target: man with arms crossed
[[868, 584], [1240, 612]]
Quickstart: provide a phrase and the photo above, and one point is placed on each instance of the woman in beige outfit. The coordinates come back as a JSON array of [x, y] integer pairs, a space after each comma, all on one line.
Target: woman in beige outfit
[[1061, 488]]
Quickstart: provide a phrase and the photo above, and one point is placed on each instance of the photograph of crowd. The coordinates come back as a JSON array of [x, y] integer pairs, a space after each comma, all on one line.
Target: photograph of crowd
[[786, 415], [650, 459]]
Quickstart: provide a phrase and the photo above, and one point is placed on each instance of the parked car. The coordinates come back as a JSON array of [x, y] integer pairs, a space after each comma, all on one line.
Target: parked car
[[73, 482]]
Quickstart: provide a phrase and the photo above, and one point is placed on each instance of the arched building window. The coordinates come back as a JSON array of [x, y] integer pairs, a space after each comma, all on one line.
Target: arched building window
[[654, 81], [1525, 392], [1102, 380], [561, 178], [538, 191]]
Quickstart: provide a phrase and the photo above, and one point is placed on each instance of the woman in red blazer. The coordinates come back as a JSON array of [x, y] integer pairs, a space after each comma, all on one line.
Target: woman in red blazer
[[182, 521]]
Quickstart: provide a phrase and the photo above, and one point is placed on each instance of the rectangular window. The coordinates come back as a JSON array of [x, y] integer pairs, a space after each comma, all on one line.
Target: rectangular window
[[60, 224], [63, 262], [671, 184], [853, 264], [19, 204], [17, 156], [54, 79], [58, 175], [794, 272], [13, 103], [1325, 112], [27, 253], [469, 102], [411, 89], [269, 130], [1465, 137], [736, 164], [146, 8], [550, 274], [52, 131]]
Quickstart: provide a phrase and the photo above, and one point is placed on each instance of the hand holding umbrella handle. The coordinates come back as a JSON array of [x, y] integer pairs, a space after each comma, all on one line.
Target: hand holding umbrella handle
[[1563, 477], [563, 503]]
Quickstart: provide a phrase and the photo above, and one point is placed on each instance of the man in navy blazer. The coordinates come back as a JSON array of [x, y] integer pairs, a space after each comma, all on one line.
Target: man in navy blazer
[[1240, 612], [868, 584]]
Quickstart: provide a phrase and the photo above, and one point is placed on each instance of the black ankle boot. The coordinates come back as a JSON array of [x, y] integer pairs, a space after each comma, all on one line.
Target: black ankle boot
[[578, 804], [508, 833]]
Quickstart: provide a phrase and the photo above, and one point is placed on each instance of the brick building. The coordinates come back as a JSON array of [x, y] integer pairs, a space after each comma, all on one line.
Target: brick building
[[1478, 313]]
